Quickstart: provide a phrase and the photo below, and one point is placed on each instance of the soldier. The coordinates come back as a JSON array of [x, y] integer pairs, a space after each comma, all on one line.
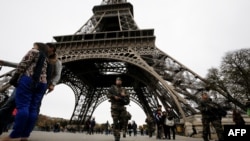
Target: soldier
[[125, 124], [210, 112], [119, 97]]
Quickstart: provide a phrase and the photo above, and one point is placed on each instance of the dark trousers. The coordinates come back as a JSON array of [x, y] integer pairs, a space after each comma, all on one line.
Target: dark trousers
[[150, 129], [216, 122], [118, 113], [166, 131], [159, 130], [172, 128]]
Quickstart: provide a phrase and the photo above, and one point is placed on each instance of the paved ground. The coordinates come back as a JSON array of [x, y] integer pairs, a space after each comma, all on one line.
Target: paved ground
[[65, 136]]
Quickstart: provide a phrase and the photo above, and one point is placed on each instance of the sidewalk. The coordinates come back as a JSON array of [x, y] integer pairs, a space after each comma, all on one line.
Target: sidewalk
[[66, 136]]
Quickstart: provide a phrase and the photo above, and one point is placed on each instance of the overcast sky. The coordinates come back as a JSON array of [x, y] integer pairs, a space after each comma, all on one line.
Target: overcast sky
[[196, 33]]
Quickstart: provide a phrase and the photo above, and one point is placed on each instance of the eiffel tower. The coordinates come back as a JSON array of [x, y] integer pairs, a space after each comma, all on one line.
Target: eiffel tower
[[111, 44]]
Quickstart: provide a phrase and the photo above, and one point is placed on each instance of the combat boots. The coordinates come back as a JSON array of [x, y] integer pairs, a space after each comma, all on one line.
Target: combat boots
[[117, 139], [205, 139], [124, 133]]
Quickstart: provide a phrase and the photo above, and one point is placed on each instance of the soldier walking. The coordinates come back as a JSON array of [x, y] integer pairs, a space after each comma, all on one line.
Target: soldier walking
[[125, 124], [119, 97], [211, 112]]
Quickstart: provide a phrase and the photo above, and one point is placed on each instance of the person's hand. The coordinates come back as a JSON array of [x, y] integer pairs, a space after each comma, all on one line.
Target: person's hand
[[123, 94], [50, 88], [117, 98]]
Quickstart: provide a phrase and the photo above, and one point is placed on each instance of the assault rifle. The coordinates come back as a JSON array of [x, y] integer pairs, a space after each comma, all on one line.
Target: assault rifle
[[214, 108], [114, 92]]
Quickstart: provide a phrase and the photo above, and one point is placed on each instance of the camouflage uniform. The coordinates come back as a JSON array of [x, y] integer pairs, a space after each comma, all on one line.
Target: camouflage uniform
[[210, 113], [124, 124], [150, 122], [118, 109]]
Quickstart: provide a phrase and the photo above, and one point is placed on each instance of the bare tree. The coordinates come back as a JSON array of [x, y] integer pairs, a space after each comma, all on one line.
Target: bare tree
[[233, 76]]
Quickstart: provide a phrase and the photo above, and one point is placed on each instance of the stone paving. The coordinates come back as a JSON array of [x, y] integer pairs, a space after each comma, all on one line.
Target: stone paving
[[66, 136]]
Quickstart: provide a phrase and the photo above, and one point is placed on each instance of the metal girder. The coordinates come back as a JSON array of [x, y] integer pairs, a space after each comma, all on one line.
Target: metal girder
[[110, 44], [119, 12]]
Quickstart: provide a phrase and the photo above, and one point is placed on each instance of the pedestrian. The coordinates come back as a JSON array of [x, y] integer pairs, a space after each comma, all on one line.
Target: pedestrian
[[92, 126], [134, 125], [211, 113], [166, 129], [141, 130], [87, 126], [150, 125], [130, 128], [170, 122], [56, 67], [30, 80], [125, 124], [238, 119], [56, 127], [194, 131], [159, 125], [53, 78], [119, 97], [107, 127]]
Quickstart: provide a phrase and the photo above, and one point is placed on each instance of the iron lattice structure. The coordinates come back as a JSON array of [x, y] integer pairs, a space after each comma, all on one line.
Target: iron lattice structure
[[110, 44]]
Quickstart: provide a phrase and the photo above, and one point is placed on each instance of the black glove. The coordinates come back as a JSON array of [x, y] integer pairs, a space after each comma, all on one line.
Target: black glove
[[14, 79]]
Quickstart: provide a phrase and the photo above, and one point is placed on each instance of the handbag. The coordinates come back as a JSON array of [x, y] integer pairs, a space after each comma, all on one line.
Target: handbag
[[169, 122]]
